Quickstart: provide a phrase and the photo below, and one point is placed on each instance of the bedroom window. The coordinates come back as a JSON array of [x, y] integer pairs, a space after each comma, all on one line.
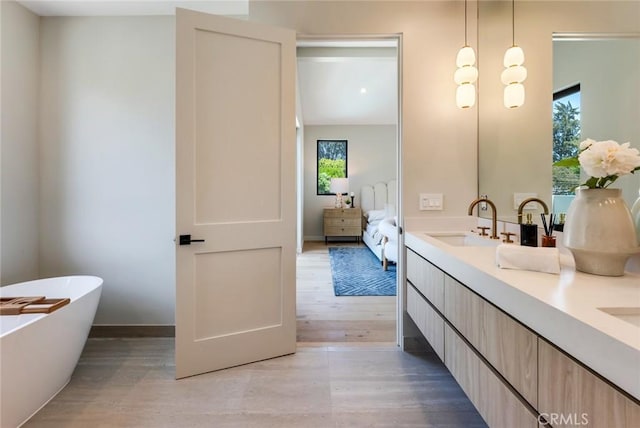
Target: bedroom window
[[332, 163]]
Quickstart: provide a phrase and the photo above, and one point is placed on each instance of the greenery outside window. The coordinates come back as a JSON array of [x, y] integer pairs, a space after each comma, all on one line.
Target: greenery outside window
[[566, 138], [332, 163]]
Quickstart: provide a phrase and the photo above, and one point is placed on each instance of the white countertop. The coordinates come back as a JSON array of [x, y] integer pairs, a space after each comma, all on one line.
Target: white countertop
[[561, 308]]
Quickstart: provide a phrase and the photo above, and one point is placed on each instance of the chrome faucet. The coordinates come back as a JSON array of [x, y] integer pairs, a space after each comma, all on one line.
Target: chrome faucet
[[525, 202], [494, 215]]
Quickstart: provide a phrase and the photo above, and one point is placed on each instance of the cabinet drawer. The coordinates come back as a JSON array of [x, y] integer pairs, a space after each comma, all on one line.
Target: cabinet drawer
[[494, 400], [569, 390], [427, 278], [341, 222], [342, 231], [430, 324], [508, 346], [343, 212]]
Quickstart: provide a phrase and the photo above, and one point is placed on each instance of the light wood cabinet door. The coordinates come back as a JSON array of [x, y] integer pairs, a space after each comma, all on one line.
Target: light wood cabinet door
[[508, 346], [571, 395], [512, 349], [495, 402], [463, 309], [427, 279], [428, 321]]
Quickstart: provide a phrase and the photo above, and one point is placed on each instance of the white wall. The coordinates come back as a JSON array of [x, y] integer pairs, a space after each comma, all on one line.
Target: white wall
[[608, 111], [439, 140], [107, 160], [19, 203], [371, 157]]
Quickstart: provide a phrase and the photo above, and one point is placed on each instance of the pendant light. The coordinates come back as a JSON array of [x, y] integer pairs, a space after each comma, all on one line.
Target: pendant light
[[514, 73], [466, 74]]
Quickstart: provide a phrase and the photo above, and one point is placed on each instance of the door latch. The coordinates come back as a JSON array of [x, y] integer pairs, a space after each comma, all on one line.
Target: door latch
[[186, 240]]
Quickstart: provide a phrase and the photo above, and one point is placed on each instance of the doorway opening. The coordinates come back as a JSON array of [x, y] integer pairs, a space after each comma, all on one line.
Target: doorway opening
[[348, 89]]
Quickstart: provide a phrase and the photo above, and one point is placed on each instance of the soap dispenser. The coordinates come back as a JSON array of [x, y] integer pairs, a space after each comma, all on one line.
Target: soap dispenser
[[529, 232]]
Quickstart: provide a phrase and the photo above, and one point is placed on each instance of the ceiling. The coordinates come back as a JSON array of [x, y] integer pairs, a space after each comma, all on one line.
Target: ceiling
[[348, 85], [331, 73]]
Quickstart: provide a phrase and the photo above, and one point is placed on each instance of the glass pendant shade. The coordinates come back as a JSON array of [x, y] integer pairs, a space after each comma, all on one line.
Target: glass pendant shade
[[514, 95], [466, 56], [513, 56], [514, 74], [466, 95], [467, 74]]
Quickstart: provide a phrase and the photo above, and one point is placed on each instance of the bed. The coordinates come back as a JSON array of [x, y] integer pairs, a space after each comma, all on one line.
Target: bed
[[378, 203]]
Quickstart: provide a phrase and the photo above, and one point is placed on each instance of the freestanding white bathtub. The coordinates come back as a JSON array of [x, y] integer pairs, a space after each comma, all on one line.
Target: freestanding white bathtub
[[38, 352]]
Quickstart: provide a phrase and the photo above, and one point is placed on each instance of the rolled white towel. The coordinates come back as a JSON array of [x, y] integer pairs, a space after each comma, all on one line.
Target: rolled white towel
[[539, 259]]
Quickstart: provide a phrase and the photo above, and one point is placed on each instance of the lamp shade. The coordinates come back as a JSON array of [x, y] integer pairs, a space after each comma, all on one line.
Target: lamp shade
[[513, 74], [339, 185], [466, 56], [513, 56], [466, 95], [466, 74], [514, 95]]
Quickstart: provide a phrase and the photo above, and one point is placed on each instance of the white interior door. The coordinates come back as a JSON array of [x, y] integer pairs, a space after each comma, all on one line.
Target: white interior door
[[235, 189]]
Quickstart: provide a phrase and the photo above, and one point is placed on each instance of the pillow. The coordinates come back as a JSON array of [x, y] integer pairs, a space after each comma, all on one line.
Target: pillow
[[374, 215]]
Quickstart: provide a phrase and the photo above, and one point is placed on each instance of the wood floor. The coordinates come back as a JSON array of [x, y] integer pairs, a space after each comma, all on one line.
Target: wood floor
[[129, 382], [323, 317], [347, 372]]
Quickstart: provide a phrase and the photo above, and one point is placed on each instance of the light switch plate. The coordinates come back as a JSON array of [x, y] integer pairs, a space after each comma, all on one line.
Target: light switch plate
[[519, 197], [431, 202]]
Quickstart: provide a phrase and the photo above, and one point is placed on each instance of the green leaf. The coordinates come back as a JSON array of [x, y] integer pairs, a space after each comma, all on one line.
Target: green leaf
[[591, 183], [567, 162]]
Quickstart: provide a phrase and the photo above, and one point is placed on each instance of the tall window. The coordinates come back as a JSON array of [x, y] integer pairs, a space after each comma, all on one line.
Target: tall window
[[566, 138], [332, 163]]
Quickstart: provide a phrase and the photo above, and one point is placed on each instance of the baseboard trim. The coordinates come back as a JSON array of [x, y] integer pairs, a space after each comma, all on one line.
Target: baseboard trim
[[132, 331]]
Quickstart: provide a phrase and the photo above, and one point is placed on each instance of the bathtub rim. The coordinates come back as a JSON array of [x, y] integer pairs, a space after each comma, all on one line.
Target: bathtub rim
[[27, 319]]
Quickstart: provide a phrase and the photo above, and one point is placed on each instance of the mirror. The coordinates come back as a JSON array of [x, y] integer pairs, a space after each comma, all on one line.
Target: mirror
[[606, 68], [515, 145]]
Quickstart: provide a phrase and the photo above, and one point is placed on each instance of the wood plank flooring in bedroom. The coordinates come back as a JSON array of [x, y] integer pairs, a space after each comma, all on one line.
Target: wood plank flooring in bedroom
[[323, 317]]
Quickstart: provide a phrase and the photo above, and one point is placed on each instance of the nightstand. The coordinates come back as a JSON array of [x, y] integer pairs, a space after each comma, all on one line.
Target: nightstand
[[342, 222]]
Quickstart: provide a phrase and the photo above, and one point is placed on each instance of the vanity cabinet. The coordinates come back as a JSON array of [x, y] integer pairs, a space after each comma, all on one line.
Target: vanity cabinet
[[476, 341], [571, 395], [506, 344], [428, 321], [428, 279], [513, 376], [493, 399]]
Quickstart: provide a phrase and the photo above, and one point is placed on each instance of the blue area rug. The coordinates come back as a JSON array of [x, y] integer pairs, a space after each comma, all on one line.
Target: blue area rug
[[358, 272]]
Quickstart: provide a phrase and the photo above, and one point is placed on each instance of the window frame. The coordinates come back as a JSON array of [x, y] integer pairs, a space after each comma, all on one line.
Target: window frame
[[319, 142]]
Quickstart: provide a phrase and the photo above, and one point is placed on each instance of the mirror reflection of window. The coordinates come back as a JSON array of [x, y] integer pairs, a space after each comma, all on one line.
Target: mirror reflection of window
[[566, 141]]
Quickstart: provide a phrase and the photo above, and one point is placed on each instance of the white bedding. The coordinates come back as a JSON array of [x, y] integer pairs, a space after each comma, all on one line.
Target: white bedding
[[377, 202]]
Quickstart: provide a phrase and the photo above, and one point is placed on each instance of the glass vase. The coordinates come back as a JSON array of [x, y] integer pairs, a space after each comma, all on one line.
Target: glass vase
[[599, 232]]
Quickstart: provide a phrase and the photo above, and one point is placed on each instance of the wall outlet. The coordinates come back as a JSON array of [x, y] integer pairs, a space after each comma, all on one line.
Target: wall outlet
[[431, 202], [519, 197]]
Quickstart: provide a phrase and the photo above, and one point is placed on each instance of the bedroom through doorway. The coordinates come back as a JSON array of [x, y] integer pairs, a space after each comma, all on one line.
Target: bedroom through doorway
[[349, 91]]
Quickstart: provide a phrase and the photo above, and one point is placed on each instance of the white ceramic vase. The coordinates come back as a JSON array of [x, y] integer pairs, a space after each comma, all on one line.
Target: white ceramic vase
[[635, 215], [599, 232]]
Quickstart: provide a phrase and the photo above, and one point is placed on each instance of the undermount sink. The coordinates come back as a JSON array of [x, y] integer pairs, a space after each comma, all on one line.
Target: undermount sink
[[464, 239], [629, 314]]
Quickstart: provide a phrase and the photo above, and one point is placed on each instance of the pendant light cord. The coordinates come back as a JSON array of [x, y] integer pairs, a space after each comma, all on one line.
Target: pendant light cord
[[513, 22], [465, 23]]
